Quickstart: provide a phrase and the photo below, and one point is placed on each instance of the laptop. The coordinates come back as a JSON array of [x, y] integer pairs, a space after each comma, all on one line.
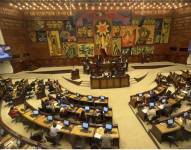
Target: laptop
[[170, 123], [102, 98], [90, 97], [66, 123], [105, 109], [85, 126], [87, 108]]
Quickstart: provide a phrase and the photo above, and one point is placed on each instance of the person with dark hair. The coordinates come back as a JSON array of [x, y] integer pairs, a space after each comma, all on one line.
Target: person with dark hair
[[54, 130], [83, 116]]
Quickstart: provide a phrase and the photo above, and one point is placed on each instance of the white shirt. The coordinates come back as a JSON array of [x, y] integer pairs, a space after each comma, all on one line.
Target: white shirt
[[54, 131], [187, 125]]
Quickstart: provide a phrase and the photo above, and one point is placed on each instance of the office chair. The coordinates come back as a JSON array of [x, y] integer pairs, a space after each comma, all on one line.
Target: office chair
[[172, 140]]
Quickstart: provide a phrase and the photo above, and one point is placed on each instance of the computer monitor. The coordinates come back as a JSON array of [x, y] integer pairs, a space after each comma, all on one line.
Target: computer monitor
[[108, 127], [170, 122], [85, 125], [49, 118], [90, 97], [140, 94], [105, 109], [71, 105], [35, 112], [185, 114], [151, 105], [163, 101], [102, 97], [87, 108], [77, 94], [66, 123]]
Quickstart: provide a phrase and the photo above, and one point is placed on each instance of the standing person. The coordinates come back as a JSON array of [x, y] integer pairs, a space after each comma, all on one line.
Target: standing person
[[54, 130]]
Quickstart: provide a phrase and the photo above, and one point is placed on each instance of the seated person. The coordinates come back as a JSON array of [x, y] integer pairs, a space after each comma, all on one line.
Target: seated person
[[106, 141], [151, 114], [83, 117], [54, 133], [13, 112], [187, 126], [63, 112]]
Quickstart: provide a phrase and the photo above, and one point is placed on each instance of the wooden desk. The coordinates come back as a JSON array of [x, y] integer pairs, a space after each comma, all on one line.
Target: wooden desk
[[77, 130], [161, 130], [109, 82]]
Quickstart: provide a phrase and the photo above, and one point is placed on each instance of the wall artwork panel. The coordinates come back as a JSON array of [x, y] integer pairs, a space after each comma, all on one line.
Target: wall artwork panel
[[165, 30], [41, 36], [128, 36], [54, 43], [145, 35], [86, 50], [115, 31], [158, 28], [103, 37], [70, 50], [116, 46], [54, 25]]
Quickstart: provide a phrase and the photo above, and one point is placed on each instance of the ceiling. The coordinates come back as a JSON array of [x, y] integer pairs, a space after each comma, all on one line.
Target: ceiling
[[75, 5]]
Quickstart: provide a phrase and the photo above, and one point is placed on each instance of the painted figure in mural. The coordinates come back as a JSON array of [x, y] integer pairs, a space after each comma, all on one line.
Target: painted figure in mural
[[69, 26], [116, 31], [165, 31], [143, 35], [128, 39], [116, 50], [70, 50], [54, 43]]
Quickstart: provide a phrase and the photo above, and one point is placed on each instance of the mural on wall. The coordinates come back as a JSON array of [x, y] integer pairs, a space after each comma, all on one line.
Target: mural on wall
[[137, 50], [128, 36], [86, 50], [85, 34], [116, 46], [103, 30], [165, 30], [116, 31], [68, 33], [158, 27], [145, 35], [32, 36], [70, 50], [54, 25], [36, 25], [41, 36], [54, 43]]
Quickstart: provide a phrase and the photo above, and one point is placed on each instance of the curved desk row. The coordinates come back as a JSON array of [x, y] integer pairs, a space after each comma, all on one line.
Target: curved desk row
[[75, 130], [135, 99], [76, 111], [12, 136], [77, 98]]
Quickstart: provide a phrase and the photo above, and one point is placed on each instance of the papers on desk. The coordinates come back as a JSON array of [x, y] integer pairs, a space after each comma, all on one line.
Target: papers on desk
[[98, 136], [59, 126], [161, 106], [145, 110]]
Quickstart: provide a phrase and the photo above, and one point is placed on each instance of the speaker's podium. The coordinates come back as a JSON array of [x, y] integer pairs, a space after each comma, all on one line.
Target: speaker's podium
[[109, 82], [75, 74]]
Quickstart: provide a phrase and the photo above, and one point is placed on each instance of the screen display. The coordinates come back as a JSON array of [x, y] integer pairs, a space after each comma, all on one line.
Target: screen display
[[87, 108], [102, 97], [66, 123], [49, 118], [163, 101], [35, 112], [108, 126], [151, 104], [85, 125], [77, 94], [5, 53], [140, 94], [185, 114], [90, 97], [170, 121], [105, 109]]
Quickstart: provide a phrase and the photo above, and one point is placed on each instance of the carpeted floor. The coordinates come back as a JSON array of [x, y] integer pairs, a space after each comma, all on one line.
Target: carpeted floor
[[132, 133]]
